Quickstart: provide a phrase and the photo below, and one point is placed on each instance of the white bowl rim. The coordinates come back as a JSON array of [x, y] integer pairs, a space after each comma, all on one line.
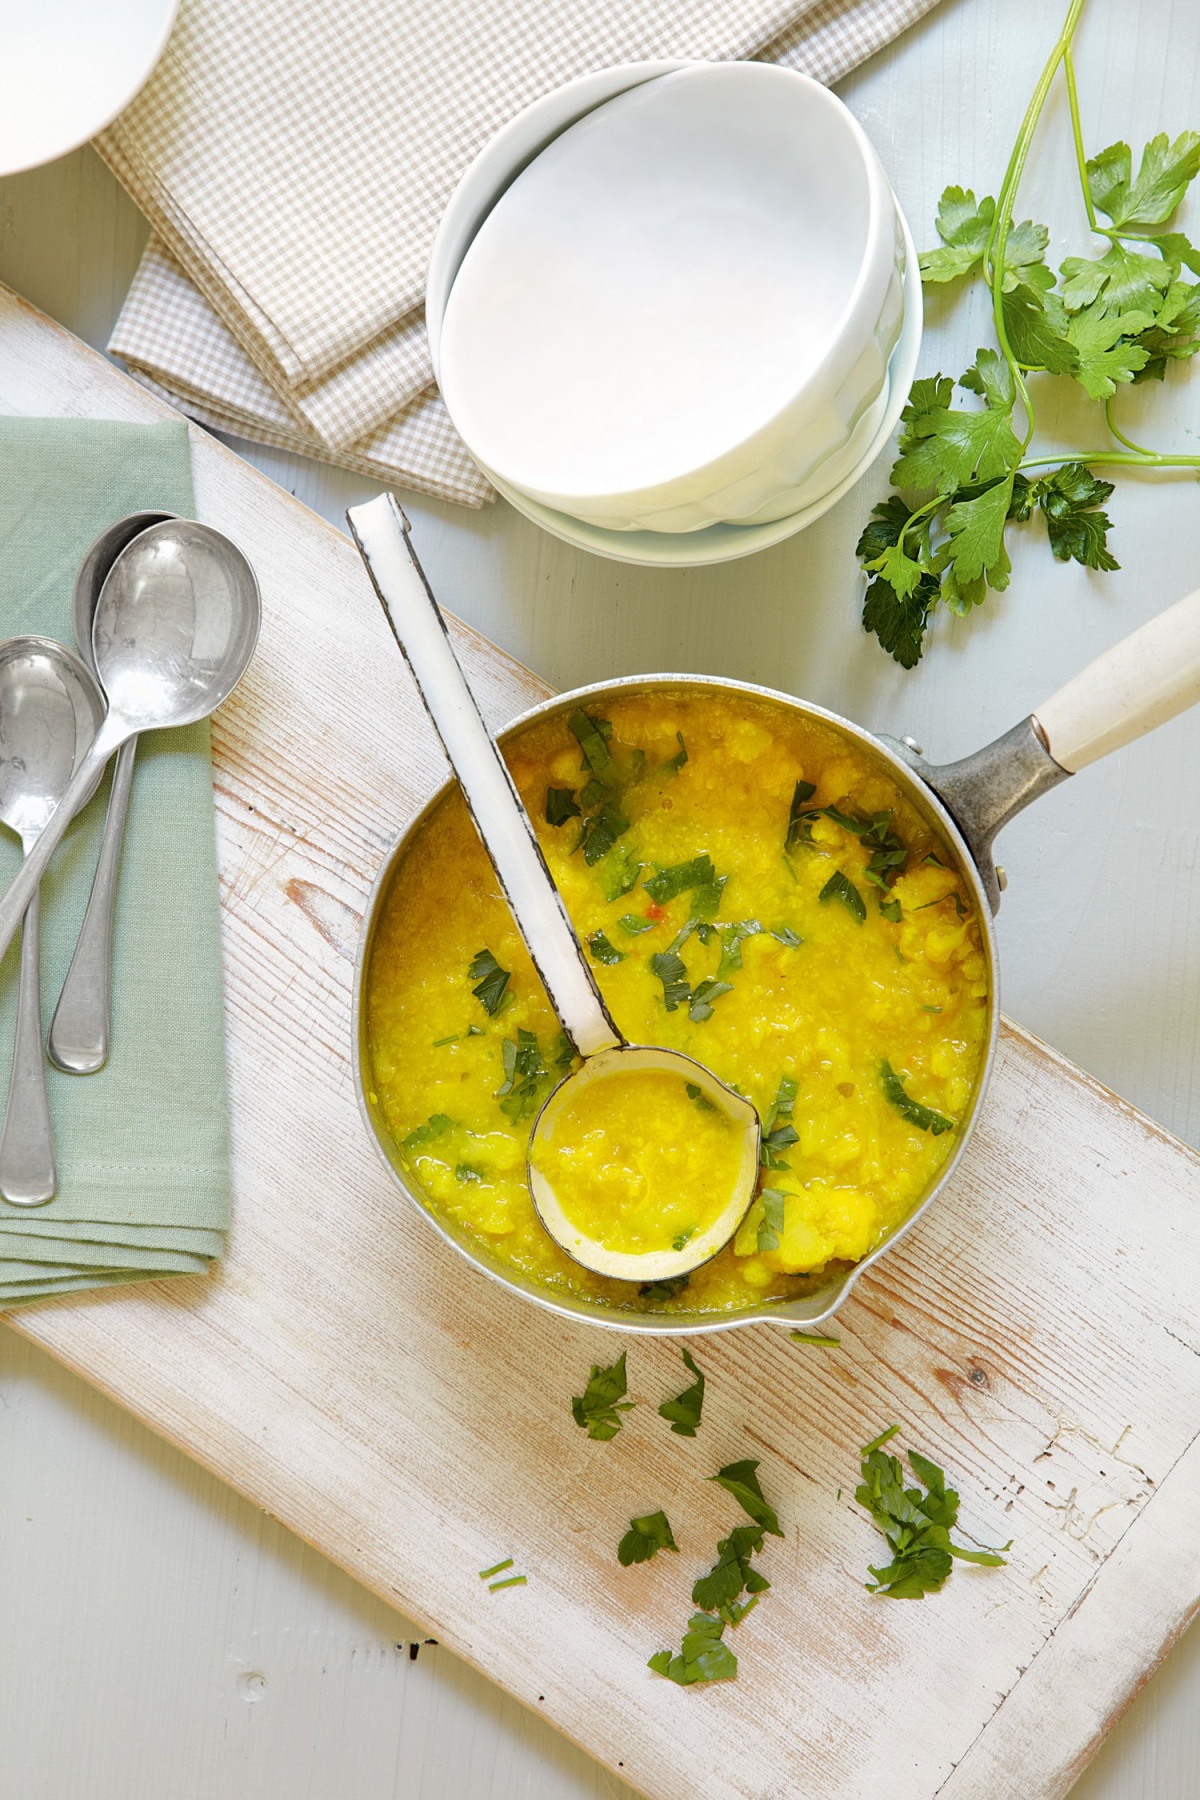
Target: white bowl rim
[[874, 272], [728, 542]]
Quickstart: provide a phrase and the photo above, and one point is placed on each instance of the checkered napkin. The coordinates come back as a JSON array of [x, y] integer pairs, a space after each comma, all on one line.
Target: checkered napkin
[[294, 158]]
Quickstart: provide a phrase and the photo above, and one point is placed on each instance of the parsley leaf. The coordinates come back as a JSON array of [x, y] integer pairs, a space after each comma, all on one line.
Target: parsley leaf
[[684, 1411], [597, 1410], [665, 1288], [425, 1134], [840, 887], [1070, 499], [1166, 171], [703, 1657], [645, 1538], [592, 736], [923, 1117], [667, 883], [491, 988], [561, 805], [619, 874], [947, 449], [703, 996], [635, 924], [525, 1076], [674, 763], [916, 1525], [791, 940], [963, 224], [600, 832], [778, 1133], [731, 1575], [602, 950], [741, 1480], [668, 965], [772, 1219]]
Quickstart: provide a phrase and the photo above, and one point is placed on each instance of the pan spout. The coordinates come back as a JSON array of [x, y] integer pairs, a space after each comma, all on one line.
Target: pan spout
[[982, 792]]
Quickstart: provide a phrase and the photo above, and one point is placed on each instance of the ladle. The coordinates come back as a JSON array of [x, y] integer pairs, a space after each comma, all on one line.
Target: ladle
[[80, 1029], [50, 711], [176, 624], [381, 532]]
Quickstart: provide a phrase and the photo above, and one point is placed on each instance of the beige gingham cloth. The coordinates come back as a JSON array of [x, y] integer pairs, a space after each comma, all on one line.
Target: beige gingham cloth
[[294, 158]]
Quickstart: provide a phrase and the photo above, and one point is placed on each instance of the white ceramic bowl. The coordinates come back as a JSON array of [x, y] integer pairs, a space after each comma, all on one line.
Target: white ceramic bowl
[[726, 543], [682, 310], [68, 68]]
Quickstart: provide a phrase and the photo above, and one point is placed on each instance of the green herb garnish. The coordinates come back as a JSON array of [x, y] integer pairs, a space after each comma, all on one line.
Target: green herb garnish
[[491, 988], [511, 1581], [664, 1289], [684, 1411], [457, 1036], [635, 924], [840, 887], [923, 1117], [600, 832], [732, 939], [779, 1134], [561, 805], [917, 1525], [667, 883], [741, 1480], [597, 1410], [816, 1338], [1105, 322], [592, 736], [524, 1076], [668, 965], [890, 910], [772, 1219], [787, 936], [496, 1569], [674, 763], [703, 1657], [731, 1576], [619, 874], [800, 816], [465, 1171], [699, 1096], [425, 1134], [602, 950], [705, 993], [645, 1538]]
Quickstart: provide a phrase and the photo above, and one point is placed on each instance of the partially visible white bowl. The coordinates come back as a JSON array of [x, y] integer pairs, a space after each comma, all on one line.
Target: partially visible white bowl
[[68, 68], [726, 543], [683, 309]]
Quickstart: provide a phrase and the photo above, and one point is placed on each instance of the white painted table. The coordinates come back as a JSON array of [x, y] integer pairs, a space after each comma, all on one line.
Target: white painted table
[[158, 1636]]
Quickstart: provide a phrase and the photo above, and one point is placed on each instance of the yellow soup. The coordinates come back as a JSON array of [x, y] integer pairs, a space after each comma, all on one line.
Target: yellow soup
[[753, 890], [641, 1162]]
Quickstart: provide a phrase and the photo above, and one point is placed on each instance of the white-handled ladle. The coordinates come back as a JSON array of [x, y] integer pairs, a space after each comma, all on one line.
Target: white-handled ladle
[[176, 624], [381, 532]]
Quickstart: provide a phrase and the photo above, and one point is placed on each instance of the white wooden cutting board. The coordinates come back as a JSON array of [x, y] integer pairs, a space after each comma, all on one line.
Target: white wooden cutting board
[[1039, 1333]]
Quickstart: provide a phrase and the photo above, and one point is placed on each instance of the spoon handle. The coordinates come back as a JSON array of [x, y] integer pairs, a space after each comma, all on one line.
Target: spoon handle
[[381, 532], [28, 1176], [79, 1030], [24, 885]]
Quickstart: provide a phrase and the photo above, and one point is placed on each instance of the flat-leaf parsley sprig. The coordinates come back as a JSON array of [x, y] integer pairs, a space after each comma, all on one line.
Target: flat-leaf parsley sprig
[[1114, 318]]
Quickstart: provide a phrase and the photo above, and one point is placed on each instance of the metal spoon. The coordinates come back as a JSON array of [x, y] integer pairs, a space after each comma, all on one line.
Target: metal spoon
[[176, 624], [50, 711], [79, 1030], [381, 531]]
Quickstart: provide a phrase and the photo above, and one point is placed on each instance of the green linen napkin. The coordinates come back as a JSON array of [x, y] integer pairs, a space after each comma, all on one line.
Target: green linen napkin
[[143, 1146]]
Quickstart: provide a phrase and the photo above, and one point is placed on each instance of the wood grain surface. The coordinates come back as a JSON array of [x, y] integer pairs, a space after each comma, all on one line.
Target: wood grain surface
[[1039, 1333]]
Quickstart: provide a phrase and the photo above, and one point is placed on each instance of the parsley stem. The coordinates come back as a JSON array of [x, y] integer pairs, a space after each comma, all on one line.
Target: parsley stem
[[1142, 459], [1129, 444], [1077, 134], [998, 236]]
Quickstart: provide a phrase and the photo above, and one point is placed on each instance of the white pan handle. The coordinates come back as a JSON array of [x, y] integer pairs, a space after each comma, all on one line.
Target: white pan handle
[[1137, 685], [381, 533]]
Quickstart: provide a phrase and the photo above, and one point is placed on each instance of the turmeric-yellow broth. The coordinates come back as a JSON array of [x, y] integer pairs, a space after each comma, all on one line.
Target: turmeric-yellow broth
[[753, 890]]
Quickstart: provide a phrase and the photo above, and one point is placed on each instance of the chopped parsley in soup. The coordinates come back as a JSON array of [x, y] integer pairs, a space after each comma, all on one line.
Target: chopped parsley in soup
[[751, 888]]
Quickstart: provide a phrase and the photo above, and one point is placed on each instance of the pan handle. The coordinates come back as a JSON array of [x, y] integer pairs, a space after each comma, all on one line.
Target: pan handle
[[1139, 684]]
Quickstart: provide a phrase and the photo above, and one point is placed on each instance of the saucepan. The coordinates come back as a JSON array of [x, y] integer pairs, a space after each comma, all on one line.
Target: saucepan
[[1139, 684]]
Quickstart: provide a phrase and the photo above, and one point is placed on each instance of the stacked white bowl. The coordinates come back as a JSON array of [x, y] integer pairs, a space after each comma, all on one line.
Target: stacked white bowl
[[663, 305]]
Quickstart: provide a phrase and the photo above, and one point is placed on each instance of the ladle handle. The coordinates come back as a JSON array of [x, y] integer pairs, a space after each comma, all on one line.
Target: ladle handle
[[380, 530], [1139, 684], [24, 885]]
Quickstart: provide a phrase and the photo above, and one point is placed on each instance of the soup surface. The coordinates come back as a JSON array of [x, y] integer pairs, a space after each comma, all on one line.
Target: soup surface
[[752, 889]]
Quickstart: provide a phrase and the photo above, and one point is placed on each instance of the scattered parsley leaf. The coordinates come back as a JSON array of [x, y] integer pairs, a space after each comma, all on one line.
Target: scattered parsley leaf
[[778, 1133], [620, 873], [425, 1134], [704, 994], [698, 1095], [465, 1171], [815, 1338], [674, 763], [667, 883], [732, 939], [592, 736], [664, 1289], [597, 1410], [668, 965], [491, 989], [923, 1117], [525, 1076], [786, 936], [772, 1219], [561, 805], [741, 1480], [731, 1575], [916, 1525], [600, 832], [703, 1656], [840, 887], [684, 1411], [645, 1538], [635, 924], [602, 950]]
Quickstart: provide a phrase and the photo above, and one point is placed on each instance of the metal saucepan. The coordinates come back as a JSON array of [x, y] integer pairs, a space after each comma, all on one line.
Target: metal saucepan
[[1142, 682]]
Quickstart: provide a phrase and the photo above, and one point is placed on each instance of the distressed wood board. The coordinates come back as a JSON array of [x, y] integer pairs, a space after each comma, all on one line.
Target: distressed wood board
[[1039, 1333]]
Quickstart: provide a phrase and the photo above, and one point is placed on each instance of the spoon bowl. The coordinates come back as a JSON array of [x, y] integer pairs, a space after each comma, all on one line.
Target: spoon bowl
[[50, 712]]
